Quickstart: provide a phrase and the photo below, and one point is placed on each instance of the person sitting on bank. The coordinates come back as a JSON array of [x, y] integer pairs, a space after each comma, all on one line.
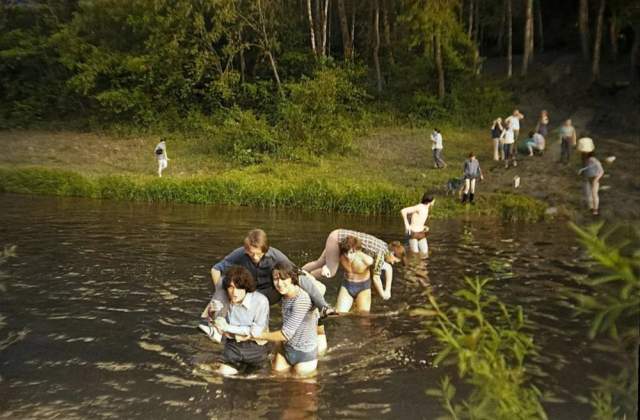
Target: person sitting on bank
[[415, 224], [297, 339], [384, 255], [247, 315], [161, 157], [356, 285]]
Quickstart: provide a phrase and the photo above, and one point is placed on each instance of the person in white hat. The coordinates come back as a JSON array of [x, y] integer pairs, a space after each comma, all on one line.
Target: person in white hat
[[592, 172]]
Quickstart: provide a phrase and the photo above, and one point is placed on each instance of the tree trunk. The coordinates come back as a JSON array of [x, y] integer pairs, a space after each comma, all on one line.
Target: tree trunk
[[540, 25], [509, 40], [387, 31], [528, 32], [613, 37], [243, 65], [329, 14], [635, 52], [267, 49], [323, 30], [376, 43], [476, 21], [470, 28], [344, 29], [439, 64], [312, 29], [595, 65], [318, 25], [353, 29], [583, 23], [503, 21]]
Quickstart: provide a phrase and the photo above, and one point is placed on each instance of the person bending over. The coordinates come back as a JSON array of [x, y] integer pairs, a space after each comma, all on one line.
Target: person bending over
[[415, 224], [384, 255], [247, 315], [356, 285], [297, 339]]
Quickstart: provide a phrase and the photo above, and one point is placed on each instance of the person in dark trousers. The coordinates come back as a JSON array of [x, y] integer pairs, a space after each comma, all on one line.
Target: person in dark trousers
[[471, 172]]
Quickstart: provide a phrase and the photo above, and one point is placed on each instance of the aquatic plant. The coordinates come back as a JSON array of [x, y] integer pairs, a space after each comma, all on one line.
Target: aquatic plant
[[613, 300], [486, 341]]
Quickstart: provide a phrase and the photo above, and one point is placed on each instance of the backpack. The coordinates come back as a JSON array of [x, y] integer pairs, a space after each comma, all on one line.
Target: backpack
[[159, 151]]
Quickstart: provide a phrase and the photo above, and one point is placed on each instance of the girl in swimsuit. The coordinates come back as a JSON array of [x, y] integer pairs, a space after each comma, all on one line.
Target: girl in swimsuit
[[357, 282]]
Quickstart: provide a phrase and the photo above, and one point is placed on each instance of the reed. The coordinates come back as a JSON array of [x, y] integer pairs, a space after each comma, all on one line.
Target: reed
[[237, 188]]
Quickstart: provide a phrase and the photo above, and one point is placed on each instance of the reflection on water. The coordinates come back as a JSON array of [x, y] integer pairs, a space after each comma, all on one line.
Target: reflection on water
[[101, 304]]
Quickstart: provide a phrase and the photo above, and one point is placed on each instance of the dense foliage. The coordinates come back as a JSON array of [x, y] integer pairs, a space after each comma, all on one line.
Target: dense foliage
[[239, 74]]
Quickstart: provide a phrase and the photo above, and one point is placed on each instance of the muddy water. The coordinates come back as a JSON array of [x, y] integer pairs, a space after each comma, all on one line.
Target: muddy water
[[101, 303]]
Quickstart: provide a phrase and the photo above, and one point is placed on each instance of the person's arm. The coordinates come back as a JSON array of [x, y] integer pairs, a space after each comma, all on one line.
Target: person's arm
[[405, 212], [216, 275], [221, 267], [481, 175], [310, 285], [388, 279], [377, 283], [574, 138], [271, 336], [290, 324]]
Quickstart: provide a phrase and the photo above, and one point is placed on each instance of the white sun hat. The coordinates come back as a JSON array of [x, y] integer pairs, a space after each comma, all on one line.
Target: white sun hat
[[585, 145]]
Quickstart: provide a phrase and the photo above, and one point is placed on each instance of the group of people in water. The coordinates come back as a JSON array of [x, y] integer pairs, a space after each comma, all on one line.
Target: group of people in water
[[255, 276]]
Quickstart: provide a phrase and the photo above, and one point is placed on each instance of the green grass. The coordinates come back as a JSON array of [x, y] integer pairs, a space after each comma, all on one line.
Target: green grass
[[263, 191]]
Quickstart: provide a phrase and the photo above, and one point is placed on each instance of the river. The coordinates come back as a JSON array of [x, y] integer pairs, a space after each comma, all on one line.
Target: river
[[99, 311]]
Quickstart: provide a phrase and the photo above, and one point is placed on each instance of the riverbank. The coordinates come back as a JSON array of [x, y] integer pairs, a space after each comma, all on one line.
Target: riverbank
[[388, 169]]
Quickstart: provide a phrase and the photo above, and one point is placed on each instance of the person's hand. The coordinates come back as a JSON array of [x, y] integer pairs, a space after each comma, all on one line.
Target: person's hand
[[481, 177], [326, 272], [241, 338], [221, 324], [386, 295], [407, 232]]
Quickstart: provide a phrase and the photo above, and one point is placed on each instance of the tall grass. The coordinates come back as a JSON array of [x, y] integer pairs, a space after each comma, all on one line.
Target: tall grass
[[242, 189]]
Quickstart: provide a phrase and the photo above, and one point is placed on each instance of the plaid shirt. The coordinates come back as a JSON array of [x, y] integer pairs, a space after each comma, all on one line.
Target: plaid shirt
[[376, 248]]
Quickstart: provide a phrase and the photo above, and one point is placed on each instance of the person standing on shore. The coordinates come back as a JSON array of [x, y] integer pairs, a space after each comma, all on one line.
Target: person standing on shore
[[161, 157], [496, 134], [514, 122], [436, 146], [542, 127], [567, 140], [508, 144], [592, 171], [471, 172]]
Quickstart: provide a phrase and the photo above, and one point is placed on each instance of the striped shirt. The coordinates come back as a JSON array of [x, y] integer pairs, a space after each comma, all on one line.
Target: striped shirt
[[300, 322], [372, 246]]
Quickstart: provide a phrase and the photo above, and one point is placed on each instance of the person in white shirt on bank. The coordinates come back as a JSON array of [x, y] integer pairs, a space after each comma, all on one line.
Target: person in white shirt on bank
[[436, 146]]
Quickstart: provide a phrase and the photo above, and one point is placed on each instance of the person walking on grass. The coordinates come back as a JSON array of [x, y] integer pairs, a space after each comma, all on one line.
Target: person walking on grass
[[496, 134], [508, 144], [161, 157], [436, 147], [567, 141], [471, 172], [592, 171]]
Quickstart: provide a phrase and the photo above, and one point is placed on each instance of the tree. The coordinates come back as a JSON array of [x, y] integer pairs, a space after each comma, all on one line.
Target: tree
[[595, 65], [583, 23], [528, 37], [376, 43], [344, 29], [540, 25], [509, 39], [312, 31]]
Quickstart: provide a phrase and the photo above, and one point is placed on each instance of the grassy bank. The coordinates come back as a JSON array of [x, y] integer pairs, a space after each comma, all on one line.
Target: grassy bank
[[263, 192]]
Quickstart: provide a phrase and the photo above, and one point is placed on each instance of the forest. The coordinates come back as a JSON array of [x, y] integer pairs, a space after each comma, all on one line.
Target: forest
[[280, 78]]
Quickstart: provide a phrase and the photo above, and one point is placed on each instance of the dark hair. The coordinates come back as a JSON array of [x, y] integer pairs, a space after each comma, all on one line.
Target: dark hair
[[257, 238], [349, 243], [471, 154], [285, 270], [240, 277], [531, 133], [437, 130], [426, 198]]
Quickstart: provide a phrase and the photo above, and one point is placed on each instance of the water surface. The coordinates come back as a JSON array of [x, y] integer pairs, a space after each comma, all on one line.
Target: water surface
[[99, 312]]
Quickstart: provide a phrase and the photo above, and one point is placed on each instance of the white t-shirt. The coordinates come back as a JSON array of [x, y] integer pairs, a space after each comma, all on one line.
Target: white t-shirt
[[436, 140], [508, 136], [514, 122]]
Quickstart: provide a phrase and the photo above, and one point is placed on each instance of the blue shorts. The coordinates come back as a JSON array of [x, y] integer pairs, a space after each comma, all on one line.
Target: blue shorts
[[355, 287], [294, 356]]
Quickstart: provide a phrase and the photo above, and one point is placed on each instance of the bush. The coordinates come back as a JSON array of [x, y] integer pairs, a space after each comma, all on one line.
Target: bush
[[247, 139]]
